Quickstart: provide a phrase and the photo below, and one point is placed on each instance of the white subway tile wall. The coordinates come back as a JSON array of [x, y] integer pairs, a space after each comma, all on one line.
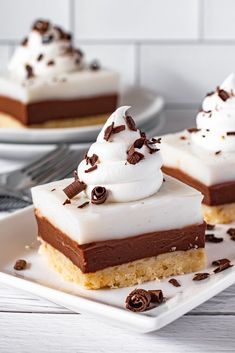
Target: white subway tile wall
[[179, 48]]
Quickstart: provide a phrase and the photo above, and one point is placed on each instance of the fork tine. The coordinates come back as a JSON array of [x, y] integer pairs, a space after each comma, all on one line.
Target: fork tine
[[44, 159], [50, 166], [60, 167]]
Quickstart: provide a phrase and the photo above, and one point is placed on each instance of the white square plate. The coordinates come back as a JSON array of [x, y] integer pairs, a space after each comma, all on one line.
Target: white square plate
[[19, 230]]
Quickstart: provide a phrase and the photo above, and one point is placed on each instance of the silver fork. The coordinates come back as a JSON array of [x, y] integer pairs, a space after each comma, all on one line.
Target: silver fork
[[15, 186]]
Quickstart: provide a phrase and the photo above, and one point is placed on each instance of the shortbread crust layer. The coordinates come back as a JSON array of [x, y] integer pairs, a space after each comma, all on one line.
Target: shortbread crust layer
[[129, 274], [219, 214], [214, 195], [57, 110], [99, 255]]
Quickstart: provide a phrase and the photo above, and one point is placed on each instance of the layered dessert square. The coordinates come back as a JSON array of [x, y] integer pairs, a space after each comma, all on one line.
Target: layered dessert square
[[204, 157], [119, 222], [49, 84]]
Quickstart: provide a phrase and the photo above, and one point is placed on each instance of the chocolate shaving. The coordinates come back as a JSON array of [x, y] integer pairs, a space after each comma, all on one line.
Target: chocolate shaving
[[231, 232], [220, 262], [51, 63], [20, 265], [210, 93], [47, 39], [224, 265], [130, 123], [193, 129], [210, 226], [108, 131], [211, 238], [24, 42], [95, 65], [217, 152], [230, 133], [156, 296], [75, 175], [66, 202], [200, 276], [99, 195], [138, 300], [41, 26], [53, 189], [174, 282], [153, 141], [183, 138], [29, 71], [143, 134], [40, 57], [74, 188], [92, 160], [134, 157], [91, 169], [62, 34], [118, 129], [84, 204], [223, 94], [139, 142]]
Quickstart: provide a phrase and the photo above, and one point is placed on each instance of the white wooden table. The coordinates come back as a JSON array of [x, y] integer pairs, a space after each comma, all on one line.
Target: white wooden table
[[29, 324]]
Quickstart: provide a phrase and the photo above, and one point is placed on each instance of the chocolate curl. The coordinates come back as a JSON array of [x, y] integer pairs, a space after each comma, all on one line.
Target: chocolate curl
[[231, 232], [223, 94], [130, 123], [108, 131], [41, 26], [92, 160], [138, 300], [211, 238], [174, 282], [74, 188], [99, 195], [156, 296], [134, 156], [224, 264], [220, 262], [20, 265], [29, 71], [200, 276], [193, 129]]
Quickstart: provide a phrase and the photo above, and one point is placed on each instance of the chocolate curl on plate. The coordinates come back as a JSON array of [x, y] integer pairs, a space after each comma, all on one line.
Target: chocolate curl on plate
[[99, 195], [74, 188], [138, 300], [156, 296], [200, 276]]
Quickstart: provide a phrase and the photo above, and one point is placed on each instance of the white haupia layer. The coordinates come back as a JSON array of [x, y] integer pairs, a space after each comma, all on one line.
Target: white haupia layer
[[72, 85], [199, 163], [175, 205]]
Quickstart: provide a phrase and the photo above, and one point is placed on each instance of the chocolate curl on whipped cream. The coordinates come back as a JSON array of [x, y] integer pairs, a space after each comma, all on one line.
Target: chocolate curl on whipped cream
[[113, 130], [223, 94], [99, 195], [91, 160], [41, 26], [138, 300], [74, 188], [29, 71]]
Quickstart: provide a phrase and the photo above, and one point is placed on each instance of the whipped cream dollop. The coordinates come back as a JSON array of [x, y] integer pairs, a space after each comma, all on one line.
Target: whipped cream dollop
[[216, 120], [46, 51], [123, 161]]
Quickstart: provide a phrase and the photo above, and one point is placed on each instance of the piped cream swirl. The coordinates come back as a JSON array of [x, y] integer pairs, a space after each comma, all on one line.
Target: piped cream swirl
[[216, 121], [124, 182], [47, 50]]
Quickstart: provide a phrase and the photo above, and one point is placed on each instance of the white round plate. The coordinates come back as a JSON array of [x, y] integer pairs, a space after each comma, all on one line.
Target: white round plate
[[144, 102]]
